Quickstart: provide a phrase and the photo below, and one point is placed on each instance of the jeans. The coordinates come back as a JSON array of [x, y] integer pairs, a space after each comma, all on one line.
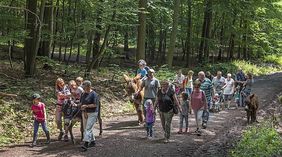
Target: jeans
[[89, 126], [36, 127], [182, 119], [188, 90], [149, 128], [198, 116], [166, 118]]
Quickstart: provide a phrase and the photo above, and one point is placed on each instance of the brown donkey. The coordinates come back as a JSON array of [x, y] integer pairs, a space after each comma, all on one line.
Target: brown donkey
[[131, 88], [252, 104]]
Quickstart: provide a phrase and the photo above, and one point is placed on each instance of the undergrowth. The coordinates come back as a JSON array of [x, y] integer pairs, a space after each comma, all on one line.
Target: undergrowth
[[259, 141]]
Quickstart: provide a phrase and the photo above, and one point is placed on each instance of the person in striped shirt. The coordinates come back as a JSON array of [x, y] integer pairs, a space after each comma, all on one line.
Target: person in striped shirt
[[206, 86]]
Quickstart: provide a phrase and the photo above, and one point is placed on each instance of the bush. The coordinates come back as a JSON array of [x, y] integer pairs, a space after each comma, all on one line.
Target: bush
[[259, 141], [273, 59], [280, 99]]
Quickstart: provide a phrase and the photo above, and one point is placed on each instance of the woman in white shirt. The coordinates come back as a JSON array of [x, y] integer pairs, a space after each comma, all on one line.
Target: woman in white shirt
[[228, 89]]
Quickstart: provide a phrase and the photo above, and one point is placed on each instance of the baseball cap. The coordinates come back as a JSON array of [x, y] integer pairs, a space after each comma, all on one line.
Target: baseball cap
[[86, 83], [35, 96]]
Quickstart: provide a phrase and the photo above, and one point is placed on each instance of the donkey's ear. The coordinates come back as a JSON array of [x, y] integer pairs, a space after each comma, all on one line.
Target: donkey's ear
[[126, 78], [251, 96]]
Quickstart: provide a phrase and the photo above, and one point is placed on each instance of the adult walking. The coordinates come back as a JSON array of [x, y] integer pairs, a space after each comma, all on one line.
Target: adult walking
[[218, 82], [151, 85], [166, 98], [228, 90], [89, 105], [198, 104], [206, 86], [240, 78]]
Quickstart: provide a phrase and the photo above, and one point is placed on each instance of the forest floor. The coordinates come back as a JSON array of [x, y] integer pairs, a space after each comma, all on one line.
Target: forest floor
[[123, 137]]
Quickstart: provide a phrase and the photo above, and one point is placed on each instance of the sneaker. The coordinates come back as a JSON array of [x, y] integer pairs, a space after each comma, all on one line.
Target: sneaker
[[204, 125], [60, 136], [166, 141], [180, 132], [84, 147], [92, 144], [33, 144], [66, 138], [246, 108]]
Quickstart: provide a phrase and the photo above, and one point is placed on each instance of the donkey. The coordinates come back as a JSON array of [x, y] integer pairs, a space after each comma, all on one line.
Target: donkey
[[73, 114], [252, 107], [130, 89]]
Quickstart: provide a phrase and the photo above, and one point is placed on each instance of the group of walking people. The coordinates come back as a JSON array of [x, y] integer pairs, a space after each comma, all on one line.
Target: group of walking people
[[188, 94], [182, 96], [84, 97]]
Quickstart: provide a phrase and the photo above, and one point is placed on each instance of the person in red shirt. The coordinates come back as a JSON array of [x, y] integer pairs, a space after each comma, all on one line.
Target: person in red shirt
[[39, 116]]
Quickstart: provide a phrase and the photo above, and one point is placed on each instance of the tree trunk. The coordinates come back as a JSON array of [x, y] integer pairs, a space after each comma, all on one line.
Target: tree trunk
[[32, 41], [245, 39], [189, 36], [89, 46], [48, 27], [97, 57], [125, 43], [78, 53], [56, 11], [173, 33], [219, 57], [141, 38], [203, 50]]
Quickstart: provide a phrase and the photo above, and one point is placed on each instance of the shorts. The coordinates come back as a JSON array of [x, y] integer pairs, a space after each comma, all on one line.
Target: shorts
[[227, 97]]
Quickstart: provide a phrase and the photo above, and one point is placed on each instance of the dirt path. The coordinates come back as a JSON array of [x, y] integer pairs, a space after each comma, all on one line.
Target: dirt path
[[122, 137]]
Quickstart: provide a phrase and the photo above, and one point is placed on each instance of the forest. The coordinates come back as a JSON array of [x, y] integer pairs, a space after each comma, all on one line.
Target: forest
[[100, 40], [181, 32]]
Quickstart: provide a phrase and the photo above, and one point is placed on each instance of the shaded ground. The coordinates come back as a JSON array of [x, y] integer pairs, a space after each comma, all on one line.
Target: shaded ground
[[123, 137]]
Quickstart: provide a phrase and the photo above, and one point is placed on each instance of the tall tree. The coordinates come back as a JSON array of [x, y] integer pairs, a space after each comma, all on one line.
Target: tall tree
[[204, 47], [173, 33], [141, 30], [34, 24]]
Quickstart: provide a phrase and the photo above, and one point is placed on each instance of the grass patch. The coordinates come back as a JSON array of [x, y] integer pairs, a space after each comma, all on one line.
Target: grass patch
[[259, 141]]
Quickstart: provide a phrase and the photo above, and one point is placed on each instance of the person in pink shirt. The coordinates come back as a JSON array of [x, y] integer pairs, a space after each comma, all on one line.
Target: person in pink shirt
[[198, 104], [150, 118], [39, 116]]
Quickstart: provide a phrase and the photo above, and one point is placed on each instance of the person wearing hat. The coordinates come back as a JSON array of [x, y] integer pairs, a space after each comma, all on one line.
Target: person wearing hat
[[39, 116], [89, 105], [141, 72], [151, 86]]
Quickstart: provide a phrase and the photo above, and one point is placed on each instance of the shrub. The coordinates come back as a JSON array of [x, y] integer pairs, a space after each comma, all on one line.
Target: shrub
[[259, 141]]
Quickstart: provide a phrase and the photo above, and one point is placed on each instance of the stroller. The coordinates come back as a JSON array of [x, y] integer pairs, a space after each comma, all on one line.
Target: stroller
[[217, 100]]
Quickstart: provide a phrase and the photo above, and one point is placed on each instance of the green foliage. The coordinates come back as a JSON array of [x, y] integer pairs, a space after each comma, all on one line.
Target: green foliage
[[276, 59], [280, 99], [259, 141], [165, 73]]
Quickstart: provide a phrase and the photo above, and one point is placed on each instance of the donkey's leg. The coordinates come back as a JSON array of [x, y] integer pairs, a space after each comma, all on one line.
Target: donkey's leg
[[70, 130], [139, 112], [100, 123]]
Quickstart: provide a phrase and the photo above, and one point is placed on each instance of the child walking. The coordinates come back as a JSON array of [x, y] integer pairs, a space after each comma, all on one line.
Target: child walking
[[39, 114], [184, 114], [150, 117]]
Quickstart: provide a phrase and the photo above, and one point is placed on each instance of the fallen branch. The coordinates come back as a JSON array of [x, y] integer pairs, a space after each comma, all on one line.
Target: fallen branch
[[5, 94]]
